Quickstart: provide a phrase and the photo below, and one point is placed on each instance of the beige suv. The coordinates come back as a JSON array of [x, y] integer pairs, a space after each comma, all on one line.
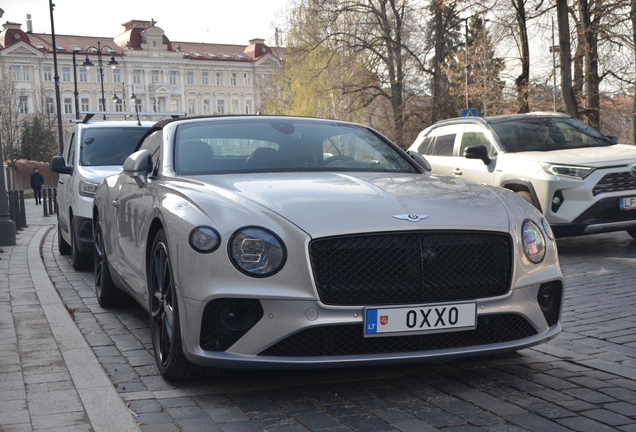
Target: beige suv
[[582, 181]]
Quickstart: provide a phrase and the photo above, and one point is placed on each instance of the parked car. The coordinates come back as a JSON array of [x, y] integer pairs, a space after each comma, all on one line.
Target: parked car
[[266, 241], [582, 181]]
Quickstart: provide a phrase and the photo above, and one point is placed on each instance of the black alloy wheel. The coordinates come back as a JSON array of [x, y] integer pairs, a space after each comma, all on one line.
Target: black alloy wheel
[[78, 259], [108, 295], [62, 246]]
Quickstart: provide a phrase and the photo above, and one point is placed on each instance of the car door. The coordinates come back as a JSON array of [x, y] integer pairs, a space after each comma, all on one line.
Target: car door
[[438, 146], [65, 185], [474, 169]]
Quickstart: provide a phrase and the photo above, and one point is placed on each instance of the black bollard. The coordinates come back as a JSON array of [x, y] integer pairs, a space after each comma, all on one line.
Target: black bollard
[[23, 210], [44, 207], [57, 210], [50, 200], [16, 206], [11, 202]]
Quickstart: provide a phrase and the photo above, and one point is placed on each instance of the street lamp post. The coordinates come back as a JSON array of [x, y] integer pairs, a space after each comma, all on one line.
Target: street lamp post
[[76, 93], [123, 91], [112, 63]]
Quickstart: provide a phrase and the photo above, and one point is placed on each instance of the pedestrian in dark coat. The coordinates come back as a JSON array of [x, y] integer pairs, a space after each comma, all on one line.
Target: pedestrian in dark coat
[[37, 181]]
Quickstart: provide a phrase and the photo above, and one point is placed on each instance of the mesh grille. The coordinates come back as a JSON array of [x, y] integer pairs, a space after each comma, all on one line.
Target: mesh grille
[[413, 267], [341, 340], [217, 337], [552, 314], [615, 182]]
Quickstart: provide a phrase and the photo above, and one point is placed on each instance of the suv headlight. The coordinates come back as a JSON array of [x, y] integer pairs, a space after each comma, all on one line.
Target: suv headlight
[[577, 172], [533, 242], [87, 188], [257, 252]]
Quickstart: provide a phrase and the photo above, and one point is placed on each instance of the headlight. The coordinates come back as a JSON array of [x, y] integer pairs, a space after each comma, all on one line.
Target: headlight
[[547, 228], [88, 189], [577, 172], [204, 239], [256, 252], [533, 242]]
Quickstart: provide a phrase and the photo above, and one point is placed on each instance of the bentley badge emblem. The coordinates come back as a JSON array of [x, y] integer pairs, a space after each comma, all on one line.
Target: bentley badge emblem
[[411, 217]]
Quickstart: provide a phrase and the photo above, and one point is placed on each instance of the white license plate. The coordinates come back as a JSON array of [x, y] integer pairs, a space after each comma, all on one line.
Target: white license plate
[[627, 203], [419, 319]]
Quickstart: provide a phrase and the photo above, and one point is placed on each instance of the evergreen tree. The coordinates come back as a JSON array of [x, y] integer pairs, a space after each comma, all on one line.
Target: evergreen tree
[[38, 142]]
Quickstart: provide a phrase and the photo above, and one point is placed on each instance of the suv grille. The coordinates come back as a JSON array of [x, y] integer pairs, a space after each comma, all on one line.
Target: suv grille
[[615, 182], [340, 340], [411, 267]]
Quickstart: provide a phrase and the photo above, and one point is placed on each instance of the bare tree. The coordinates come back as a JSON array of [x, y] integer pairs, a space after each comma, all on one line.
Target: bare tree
[[567, 91], [12, 108]]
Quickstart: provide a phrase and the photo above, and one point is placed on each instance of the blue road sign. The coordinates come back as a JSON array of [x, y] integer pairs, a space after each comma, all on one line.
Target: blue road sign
[[469, 112]]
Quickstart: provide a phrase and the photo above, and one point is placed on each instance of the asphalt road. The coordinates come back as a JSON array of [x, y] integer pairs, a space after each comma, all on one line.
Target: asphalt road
[[584, 380]]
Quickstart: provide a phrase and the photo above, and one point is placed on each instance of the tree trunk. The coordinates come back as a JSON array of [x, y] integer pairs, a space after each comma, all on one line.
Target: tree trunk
[[438, 60], [592, 80], [523, 80], [567, 91], [633, 18]]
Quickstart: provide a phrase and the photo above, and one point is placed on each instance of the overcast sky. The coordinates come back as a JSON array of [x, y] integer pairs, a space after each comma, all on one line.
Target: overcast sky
[[215, 21]]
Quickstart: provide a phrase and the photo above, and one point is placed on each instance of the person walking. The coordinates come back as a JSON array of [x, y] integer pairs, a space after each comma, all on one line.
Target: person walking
[[37, 181]]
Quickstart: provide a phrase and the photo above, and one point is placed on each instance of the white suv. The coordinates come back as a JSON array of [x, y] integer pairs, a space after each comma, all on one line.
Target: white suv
[[93, 150], [582, 181]]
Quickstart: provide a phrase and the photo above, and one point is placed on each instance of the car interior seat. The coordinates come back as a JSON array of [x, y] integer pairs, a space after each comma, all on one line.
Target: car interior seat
[[263, 157], [195, 156]]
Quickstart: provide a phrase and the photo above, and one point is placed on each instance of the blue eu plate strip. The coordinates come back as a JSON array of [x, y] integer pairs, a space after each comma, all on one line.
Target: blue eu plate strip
[[372, 321]]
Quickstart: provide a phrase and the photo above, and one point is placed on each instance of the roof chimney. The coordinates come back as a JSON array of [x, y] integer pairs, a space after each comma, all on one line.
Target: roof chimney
[[29, 24]]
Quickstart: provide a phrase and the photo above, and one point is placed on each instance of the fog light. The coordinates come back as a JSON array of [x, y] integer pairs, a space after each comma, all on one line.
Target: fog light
[[557, 201], [546, 298], [237, 317]]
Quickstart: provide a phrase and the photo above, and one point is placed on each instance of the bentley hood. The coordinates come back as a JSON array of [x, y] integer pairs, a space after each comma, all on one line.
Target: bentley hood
[[325, 203]]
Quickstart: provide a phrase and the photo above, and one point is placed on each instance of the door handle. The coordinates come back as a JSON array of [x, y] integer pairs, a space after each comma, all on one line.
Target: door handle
[[60, 181], [115, 203], [457, 171]]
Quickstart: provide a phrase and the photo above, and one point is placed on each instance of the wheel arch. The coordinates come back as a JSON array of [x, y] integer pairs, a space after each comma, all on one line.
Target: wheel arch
[[518, 185]]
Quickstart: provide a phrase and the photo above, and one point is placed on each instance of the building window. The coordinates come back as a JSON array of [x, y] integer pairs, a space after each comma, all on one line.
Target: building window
[[117, 76], [98, 76], [190, 78], [174, 105], [154, 77], [207, 106], [192, 108], [234, 78], [119, 105], [220, 81], [205, 78], [83, 75], [137, 77], [247, 79], [102, 104], [235, 106], [172, 76], [47, 73], [49, 105], [21, 73], [66, 74], [248, 107], [220, 106], [68, 106], [23, 105], [85, 104]]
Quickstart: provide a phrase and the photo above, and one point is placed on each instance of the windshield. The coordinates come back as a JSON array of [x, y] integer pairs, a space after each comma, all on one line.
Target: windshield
[[274, 145], [547, 133], [109, 145]]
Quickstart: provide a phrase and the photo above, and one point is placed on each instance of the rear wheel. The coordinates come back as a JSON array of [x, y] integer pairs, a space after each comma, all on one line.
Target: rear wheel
[[62, 247], [108, 295], [78, 259], [165, 327], [632, 232]]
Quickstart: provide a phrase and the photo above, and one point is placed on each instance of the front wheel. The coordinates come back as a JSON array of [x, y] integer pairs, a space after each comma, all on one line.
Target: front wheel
[[632, 232], [165, 328], [78, 259], [108, 295], [526, 196], [62, 246]]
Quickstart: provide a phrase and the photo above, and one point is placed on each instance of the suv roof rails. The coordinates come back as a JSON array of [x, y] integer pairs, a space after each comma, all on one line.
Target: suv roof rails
[[88, 115]]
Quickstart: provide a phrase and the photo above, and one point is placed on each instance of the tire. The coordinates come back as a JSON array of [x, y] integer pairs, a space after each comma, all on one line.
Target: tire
[[78, 259], [165, 328], [62, 247], [632, 232], [526, 196], [108, 295]]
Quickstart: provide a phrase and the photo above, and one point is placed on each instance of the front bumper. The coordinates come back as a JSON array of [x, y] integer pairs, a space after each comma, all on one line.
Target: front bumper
[[603, 216], [308, 334]]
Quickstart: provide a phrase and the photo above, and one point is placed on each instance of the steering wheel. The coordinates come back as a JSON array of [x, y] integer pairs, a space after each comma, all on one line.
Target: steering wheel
[[336, 158]]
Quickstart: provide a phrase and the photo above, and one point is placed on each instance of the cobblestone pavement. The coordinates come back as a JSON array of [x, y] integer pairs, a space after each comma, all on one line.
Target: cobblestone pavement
[[584, 380]]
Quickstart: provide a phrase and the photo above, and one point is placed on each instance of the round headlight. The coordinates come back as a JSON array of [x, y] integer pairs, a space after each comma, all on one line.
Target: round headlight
[[533, 242], [256, 252], [547, 229], [204, 239]]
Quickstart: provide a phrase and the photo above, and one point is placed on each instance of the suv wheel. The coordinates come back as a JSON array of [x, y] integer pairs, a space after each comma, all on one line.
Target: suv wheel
[[62, 247], [526, 196], [78, 259]]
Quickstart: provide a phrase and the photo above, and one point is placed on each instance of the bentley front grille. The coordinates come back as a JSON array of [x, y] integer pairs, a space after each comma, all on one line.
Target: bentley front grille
[[411, 267]]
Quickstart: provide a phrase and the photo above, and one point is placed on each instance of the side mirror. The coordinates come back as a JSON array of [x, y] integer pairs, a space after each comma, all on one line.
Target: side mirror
[[421, 160], [59, 166], [612, 138], [138, 165], [477, 152]]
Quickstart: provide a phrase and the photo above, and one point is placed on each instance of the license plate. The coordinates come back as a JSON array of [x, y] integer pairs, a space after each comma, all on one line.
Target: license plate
[[419, 319], [627, 203]]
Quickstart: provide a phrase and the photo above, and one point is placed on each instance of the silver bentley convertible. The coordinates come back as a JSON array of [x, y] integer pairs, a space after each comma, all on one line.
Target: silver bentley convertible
[[275, 242]]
